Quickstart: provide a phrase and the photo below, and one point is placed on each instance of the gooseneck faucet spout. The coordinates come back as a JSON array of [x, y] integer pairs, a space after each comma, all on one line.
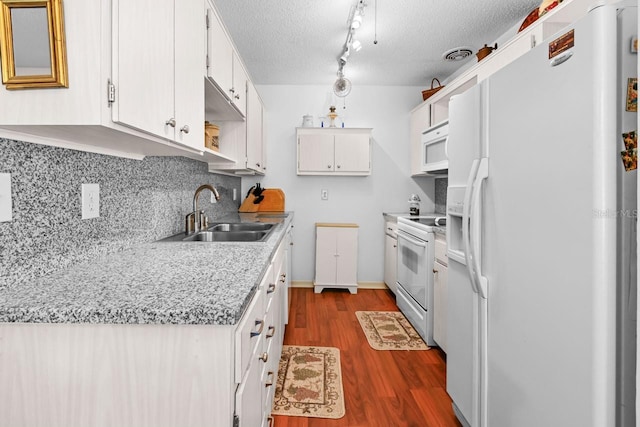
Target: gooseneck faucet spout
[[196, 220]]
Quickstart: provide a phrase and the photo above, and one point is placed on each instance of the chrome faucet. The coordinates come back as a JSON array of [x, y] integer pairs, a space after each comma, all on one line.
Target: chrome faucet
[[197, 220]]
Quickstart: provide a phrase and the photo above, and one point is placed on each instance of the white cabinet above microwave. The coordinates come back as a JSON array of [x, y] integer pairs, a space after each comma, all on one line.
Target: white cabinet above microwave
[[434, 149]]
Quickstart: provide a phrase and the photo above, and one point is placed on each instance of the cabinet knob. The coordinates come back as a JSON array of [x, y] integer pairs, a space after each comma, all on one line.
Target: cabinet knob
[[264, 357], [329, 166], [271, 288], [185, 129], [395, 246], [435, 271], [338, 166], [236, 96], [171, 122], [258, 164]]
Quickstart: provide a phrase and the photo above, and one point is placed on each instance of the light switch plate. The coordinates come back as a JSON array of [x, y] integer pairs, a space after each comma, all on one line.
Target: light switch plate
[[6, 206], [90, 201]]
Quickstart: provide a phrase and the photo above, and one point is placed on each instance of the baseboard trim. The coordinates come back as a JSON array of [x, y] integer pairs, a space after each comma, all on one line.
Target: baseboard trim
[[361, 285]]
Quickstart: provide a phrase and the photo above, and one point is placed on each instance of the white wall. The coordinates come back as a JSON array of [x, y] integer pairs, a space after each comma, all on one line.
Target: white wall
[[358, 200]]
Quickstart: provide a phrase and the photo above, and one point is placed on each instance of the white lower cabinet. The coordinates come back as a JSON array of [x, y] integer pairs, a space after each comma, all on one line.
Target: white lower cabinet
[[440, 292], [336, 257], [112, 375], [259, 372], [390, 255]]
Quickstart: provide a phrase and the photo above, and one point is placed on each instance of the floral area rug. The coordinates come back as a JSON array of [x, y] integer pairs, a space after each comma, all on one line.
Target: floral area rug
[[309, 383], [389, 330]]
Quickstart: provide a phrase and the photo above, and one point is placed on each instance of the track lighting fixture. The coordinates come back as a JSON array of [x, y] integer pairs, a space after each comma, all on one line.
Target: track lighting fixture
[[342, 86]]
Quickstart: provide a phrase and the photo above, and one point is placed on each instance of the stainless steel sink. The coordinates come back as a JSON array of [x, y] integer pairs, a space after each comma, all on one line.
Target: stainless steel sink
[[227, 236], [228, 232], [241, 226]]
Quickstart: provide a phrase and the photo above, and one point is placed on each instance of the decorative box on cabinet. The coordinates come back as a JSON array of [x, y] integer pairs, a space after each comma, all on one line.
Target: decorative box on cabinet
[[334, 151], [336, 257]]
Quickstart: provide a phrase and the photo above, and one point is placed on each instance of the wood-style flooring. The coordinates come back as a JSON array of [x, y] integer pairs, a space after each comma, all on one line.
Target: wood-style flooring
[[382, 388]]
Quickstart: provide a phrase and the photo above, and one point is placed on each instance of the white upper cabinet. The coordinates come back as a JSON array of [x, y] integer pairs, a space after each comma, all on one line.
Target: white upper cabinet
[[227, 98], [130, 71], [220, 54], [157, 69], [255, 131], [334, 151]]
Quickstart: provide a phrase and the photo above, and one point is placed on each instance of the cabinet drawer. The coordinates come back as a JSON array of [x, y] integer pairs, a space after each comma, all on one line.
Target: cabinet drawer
[[249, 334]]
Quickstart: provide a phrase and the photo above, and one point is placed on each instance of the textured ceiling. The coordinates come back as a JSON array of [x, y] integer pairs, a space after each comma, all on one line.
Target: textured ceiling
[[297, 42]]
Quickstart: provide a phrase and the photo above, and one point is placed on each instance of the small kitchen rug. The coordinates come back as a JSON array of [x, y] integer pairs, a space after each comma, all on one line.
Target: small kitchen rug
[[309, 383], [389, 330]]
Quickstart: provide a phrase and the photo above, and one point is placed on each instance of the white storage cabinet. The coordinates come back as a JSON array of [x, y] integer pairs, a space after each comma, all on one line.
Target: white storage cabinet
[[336, 257], [334, 151]]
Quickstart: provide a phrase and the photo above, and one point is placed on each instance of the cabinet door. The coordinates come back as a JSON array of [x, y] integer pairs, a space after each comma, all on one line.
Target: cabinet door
[[440, 305], [239, 98], [189, 63], [315, 153], [220, 53], [390, 258], [347, 253], [326, 255], [255, 136], [143, 69], [249, 397], [352, 153]]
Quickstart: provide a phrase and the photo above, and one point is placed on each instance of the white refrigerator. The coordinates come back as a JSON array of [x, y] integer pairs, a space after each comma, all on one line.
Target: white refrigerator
[[541, 230]]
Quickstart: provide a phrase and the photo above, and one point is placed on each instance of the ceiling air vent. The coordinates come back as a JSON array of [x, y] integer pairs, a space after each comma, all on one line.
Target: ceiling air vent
[[456, 54]]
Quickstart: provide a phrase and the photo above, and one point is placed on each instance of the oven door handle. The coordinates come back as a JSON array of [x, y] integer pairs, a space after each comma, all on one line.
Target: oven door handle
[[413, 241]]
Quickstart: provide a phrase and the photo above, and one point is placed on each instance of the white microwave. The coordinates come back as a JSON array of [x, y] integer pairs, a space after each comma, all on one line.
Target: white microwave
[[435, 160]]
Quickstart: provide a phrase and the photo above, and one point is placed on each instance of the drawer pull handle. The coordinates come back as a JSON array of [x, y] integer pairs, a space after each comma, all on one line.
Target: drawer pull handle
[[271, 332], [259, 331], [264, 357], [271, 288], [269, 383]]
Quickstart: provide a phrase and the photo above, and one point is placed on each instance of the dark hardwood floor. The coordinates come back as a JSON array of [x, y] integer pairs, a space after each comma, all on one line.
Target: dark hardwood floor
[[382, 388]]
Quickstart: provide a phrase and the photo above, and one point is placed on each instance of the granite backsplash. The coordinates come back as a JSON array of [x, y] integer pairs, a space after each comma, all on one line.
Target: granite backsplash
[[441, 195], [140, 201]]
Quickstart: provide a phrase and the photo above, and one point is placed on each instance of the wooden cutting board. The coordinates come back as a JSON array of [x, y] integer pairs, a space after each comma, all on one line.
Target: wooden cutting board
[[273, 200]]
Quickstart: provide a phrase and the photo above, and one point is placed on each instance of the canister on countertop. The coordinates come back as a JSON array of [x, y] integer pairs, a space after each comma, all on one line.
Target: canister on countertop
[[414, 204]]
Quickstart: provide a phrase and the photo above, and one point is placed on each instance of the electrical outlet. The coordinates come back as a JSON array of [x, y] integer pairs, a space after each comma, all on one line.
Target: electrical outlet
[[324, 194], [6, 206], [90, 201]]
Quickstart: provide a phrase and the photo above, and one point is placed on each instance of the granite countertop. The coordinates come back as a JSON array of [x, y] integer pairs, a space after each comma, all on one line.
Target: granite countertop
[[154, 283]]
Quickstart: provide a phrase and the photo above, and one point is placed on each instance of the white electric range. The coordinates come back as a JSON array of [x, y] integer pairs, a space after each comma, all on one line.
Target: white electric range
[[414, 295]]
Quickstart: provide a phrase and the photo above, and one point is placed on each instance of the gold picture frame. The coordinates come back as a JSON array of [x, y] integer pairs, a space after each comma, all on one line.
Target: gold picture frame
[[32, 44]]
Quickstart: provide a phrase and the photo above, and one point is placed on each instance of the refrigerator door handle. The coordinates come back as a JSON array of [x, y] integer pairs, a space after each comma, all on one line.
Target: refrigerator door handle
[[465, 222], [475, 228]]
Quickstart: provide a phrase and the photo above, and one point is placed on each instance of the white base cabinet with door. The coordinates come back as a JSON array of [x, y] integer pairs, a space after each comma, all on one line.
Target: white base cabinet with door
[[334, 151], [440, 292], [336, 257], [390, 254]]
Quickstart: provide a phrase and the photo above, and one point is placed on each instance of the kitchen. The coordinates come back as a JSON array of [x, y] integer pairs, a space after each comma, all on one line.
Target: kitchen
[[350, 199]]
